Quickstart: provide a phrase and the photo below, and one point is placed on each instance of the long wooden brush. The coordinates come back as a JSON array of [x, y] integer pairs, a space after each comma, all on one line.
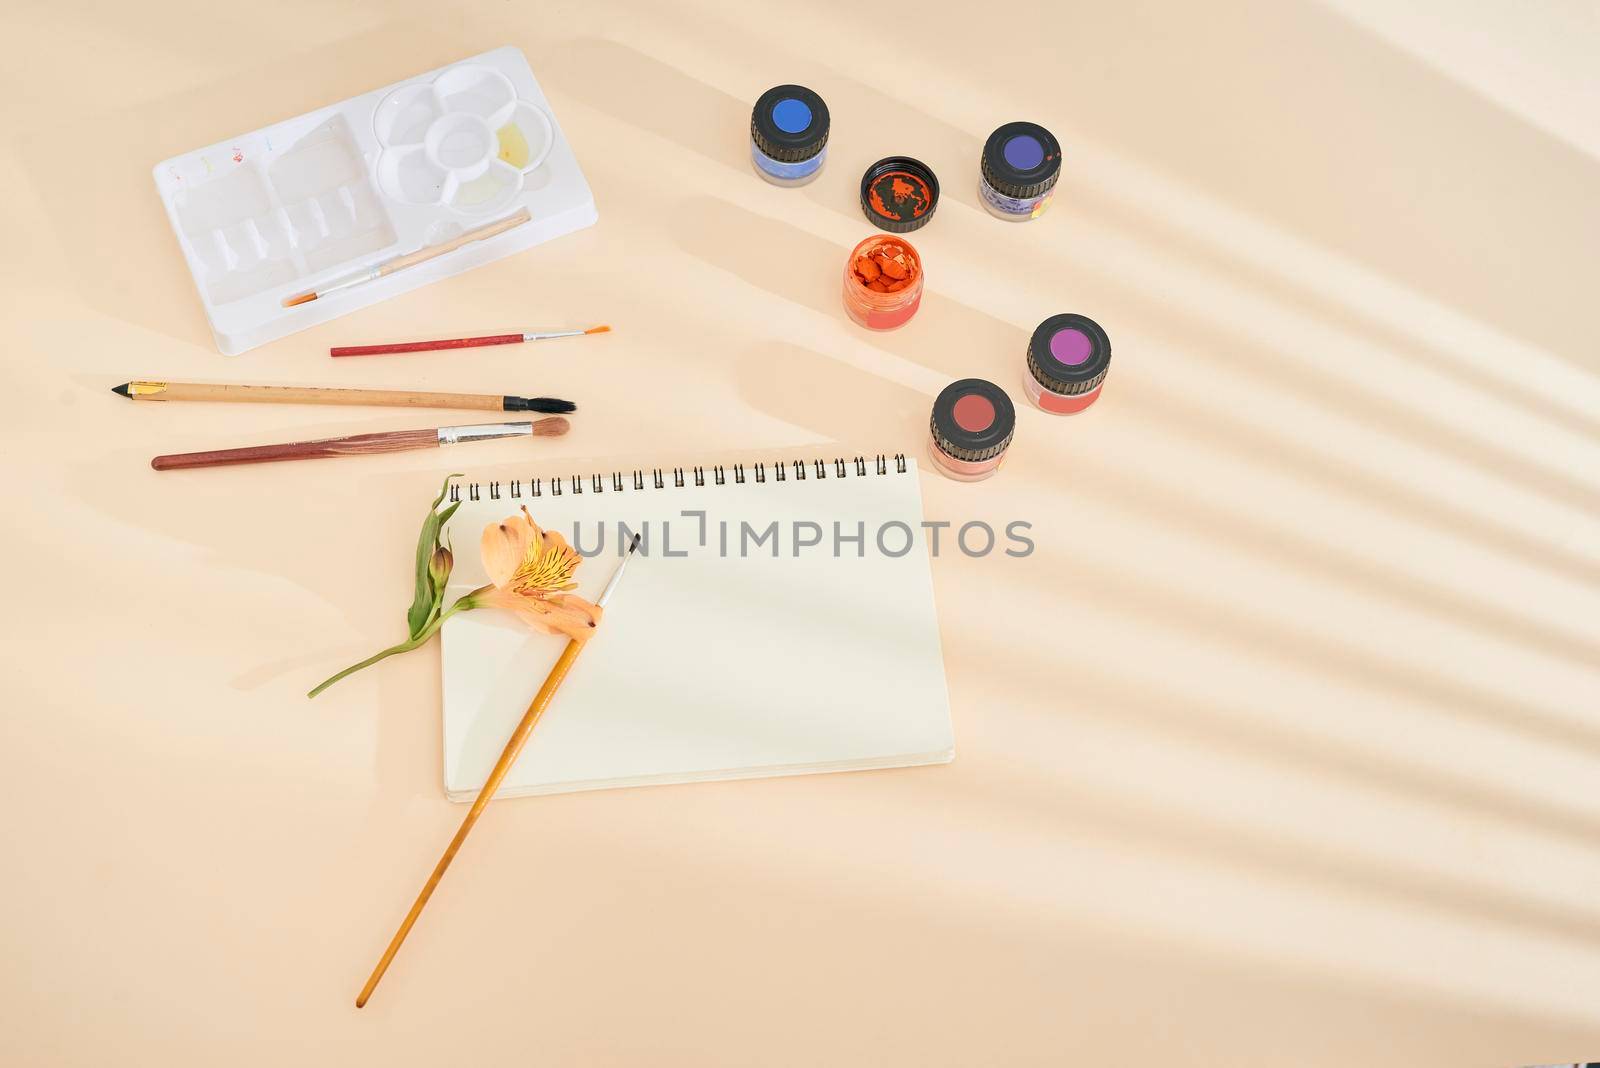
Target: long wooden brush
[[382, 398], [460, 342], [508, 757], [359, 444]]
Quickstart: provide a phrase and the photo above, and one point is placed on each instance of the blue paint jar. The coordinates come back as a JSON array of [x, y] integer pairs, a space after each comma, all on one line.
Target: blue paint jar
[[789, 135], [1018, 170]]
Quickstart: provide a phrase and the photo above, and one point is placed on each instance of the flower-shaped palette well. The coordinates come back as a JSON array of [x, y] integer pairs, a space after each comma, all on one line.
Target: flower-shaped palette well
[[462, 140]]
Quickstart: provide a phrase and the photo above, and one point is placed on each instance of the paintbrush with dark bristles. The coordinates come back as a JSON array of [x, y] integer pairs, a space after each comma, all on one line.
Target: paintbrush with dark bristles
[[379, 398]]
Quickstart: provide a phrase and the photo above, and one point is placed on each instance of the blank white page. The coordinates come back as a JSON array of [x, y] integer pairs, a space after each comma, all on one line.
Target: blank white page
[[717, 664]]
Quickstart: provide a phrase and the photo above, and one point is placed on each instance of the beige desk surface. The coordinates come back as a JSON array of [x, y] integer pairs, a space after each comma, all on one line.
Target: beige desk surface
[[1282, 749]]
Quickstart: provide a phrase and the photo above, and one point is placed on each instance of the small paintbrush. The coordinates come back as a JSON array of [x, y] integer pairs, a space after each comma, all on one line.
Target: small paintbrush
[[411, 259], [460, 342], [358, 444]]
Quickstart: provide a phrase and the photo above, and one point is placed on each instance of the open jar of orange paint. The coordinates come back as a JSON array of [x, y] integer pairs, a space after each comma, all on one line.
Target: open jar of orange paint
[[882, 282]]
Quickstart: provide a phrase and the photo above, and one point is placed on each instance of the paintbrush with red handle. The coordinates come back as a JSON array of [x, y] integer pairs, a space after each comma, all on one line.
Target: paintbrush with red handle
[[459, 342], [357, 444]]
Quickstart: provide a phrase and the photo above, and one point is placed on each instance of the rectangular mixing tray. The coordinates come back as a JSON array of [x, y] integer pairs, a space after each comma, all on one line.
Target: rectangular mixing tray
[[307, 202]]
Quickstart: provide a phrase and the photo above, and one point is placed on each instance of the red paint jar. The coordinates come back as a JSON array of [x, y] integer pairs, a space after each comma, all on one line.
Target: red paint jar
[[1067, 361], [874, 261], [971, 428]]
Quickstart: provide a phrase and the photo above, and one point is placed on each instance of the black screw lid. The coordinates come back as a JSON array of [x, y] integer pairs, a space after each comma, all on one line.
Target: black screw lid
[[1021, 159], [899, 194], [789, 123], [1077, 362], [972, 445]]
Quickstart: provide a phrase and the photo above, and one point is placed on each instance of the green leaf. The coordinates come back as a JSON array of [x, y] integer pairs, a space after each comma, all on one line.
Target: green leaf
[[424, 596]]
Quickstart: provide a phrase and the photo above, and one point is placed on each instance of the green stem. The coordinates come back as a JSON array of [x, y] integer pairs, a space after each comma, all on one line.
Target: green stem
[[463, 603], [403, 647]]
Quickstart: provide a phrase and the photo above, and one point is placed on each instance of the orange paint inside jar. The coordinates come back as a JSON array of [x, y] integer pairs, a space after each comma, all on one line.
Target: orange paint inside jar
[[882, 282]]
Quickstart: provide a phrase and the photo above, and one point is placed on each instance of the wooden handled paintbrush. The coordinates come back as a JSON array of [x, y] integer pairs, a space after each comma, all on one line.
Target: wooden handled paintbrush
[[411, 259], [508, 757], [359, 444], [383, 398], [461, 342]]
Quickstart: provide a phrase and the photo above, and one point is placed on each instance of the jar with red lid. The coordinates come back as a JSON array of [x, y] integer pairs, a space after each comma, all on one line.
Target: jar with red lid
[[971, 429]]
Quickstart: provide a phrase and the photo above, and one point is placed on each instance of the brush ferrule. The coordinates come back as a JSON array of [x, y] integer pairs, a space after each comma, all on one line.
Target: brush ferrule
[[548, 334], [455, 435], [371, 274], [616, 576]]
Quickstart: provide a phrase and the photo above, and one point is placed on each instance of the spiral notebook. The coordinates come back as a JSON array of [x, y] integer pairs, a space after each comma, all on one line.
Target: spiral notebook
[[778, 620]]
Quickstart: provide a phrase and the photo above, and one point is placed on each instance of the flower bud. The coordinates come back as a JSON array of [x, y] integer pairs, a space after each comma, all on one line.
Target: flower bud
[[439, 565]]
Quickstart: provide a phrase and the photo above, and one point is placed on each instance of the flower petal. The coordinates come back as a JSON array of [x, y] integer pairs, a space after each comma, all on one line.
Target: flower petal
[[505, 546], [567, 614], [547, 567]]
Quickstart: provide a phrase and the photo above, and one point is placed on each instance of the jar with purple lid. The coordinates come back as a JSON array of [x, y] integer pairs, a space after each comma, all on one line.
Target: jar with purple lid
[[1018, 170], [1067, 361]]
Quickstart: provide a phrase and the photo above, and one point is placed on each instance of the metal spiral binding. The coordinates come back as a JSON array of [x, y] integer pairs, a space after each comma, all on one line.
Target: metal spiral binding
[[717, 475]]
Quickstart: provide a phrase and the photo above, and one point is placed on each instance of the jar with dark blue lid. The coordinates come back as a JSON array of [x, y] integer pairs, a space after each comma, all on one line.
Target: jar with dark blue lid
[[789, 135], [1018, 170]]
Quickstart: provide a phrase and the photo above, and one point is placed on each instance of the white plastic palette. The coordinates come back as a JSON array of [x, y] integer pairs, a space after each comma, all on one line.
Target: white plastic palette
[[307, 202]]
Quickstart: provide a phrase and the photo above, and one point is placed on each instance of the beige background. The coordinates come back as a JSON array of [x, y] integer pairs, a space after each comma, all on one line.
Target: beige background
[[1281, 750]]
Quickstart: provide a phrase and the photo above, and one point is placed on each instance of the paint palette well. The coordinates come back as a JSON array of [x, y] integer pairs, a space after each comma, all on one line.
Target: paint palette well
[[306, 202]]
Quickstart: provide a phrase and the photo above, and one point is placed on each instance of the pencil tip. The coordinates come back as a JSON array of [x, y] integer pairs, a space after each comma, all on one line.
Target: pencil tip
[[122, 390]]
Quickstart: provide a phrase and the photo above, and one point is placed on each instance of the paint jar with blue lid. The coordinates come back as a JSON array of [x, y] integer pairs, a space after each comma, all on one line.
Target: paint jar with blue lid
[[1018, 170], [789, 135]]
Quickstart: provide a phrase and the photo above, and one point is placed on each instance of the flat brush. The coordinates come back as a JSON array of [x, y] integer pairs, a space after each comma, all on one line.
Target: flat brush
[[358, 444], [411, 259], [460, 342], [379, 398]]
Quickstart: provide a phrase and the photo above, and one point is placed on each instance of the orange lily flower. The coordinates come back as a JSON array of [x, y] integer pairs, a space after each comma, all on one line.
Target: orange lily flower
[[532, 570]]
